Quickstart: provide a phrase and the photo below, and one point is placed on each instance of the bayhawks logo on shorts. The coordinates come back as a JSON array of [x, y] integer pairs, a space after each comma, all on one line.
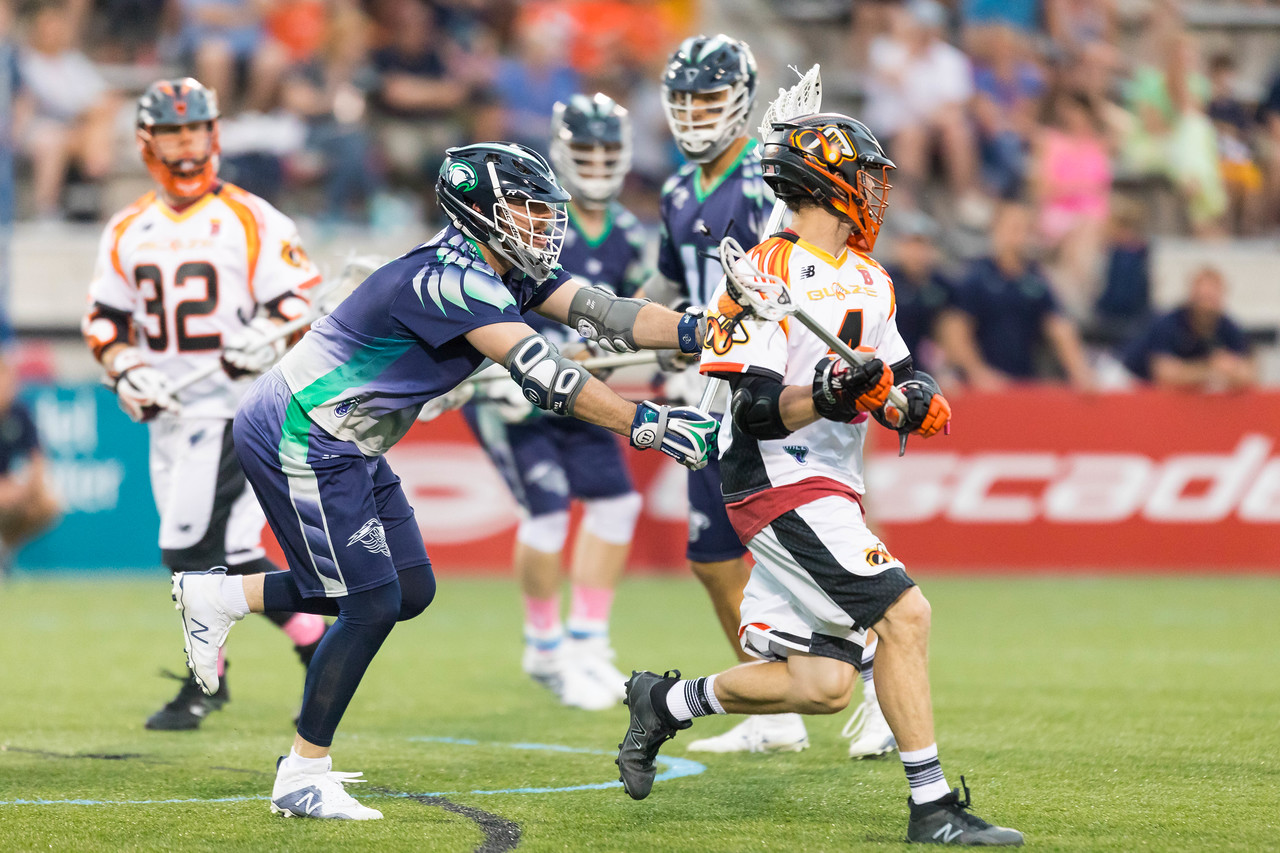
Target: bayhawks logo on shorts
[[372, 537]]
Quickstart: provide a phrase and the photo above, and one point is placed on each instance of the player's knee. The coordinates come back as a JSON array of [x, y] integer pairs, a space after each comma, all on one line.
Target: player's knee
[[613, 520], [907, 620], [826, 693], [417, 591], [546, 533]]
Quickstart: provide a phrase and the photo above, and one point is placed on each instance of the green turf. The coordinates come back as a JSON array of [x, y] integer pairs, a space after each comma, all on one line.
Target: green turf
[[1092, 714]]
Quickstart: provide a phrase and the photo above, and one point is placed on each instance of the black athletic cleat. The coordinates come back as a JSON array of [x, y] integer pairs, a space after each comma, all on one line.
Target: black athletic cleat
[[948, 821], [647, 732], [189, 708]]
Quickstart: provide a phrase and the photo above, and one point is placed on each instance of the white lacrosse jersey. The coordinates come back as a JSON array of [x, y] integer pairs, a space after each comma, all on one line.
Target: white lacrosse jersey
[[852, 296], [190, 279]]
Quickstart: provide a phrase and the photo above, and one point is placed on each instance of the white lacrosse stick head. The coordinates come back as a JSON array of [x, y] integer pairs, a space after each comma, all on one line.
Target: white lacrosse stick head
[[766, 294], [803, 98]]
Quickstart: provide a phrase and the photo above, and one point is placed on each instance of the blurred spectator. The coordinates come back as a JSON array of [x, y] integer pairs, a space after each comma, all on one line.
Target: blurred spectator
[[74, 111], [614, 41], [1195, 346], [920, 289], [1172, 136], [28, 505], [15, 109], [1071, 182], [528, 84], [130, 30], [416, 96], [1004, 312], [301, 26], [1073, 25], [1124, 305], [1009, 86], [1020, 14], [916, 100], [1234, 122], [330, 93], [227, 43]]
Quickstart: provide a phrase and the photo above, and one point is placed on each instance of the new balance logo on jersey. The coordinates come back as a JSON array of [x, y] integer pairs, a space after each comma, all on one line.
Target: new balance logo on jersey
[[807, 271], [372, 537], [799, 452], [948, 832]]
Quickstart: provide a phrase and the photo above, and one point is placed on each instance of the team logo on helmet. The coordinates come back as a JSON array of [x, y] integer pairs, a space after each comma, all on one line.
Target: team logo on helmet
[[833, 144], [462, 177]]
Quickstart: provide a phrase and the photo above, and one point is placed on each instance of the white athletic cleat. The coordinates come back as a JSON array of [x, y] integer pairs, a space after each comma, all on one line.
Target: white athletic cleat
[[543, 666], [762, 733], [205, 622], [869, 730], [299, 793], [596, 656], [578, 689]]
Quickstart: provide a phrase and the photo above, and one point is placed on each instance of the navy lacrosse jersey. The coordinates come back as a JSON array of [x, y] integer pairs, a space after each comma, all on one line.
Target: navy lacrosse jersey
[[696, 218], [614, 260], [363, 372]]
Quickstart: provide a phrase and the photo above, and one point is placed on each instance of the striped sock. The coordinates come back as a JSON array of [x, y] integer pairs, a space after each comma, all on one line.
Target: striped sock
[[924, 774], [868, 671], [696, 697]]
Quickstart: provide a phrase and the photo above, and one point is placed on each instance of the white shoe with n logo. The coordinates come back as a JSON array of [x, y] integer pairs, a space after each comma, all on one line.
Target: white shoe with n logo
[[319, 794]]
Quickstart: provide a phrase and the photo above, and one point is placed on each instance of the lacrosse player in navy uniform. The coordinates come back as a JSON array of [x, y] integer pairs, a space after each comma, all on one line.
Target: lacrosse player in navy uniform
[[312, 432], [195, 272], [709, 88], [793, 481], [547, 460]]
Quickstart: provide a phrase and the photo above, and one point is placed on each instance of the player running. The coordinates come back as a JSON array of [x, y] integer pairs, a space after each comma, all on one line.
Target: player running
[[708, 89], [312, 432], [193, 272], [792, 465], [548, 460]]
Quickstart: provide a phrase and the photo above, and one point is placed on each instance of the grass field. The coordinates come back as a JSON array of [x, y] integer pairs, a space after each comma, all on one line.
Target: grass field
[[1133, 714]]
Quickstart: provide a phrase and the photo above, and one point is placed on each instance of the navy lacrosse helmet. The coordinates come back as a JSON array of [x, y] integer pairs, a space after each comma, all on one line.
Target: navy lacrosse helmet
[[835, 162], [591, 147], [173, 103], [505, 195], [702, 66]]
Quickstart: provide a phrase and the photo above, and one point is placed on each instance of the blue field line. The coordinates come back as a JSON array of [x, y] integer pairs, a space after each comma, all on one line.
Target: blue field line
[[675, 769]]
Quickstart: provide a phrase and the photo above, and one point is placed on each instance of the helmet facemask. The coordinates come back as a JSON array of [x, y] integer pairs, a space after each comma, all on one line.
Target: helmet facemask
[[594, 173], [706, 123], [871, 205], [529, 234], [182, 177]]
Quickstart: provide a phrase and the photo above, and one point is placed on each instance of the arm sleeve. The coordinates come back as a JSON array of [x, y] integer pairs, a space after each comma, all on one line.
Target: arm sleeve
[[443, 302]]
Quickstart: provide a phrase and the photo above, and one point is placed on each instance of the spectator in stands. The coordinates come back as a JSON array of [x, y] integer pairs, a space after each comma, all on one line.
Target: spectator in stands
[[330, 92], [73, 108], [528, 84], [1073, 25], [1071, 183], [416, 98], [920, 289], [1195, 346], [28, 505], [917, 93], [15, 110], [1172, 137], [1234, 122], [227, 42], [1008, 87], [1004, 312], [1124, 306]]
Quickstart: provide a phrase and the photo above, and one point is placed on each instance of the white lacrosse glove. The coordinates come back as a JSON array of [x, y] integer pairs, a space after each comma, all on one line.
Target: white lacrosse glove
[[250, 350], [142, 390], [684, 387], [684, 433], [447, 402]]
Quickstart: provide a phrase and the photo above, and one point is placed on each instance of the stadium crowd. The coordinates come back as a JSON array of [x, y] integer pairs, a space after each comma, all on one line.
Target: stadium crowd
[[1032, 139]]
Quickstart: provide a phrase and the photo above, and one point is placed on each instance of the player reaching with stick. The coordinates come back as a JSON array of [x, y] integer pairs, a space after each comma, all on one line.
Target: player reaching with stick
[[709, 88], [195, 272], [792, 469], [311, 434]]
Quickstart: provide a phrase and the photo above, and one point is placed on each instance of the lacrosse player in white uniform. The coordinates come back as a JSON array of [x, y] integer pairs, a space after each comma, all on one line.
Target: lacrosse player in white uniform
[[791, 466], [193, 272]]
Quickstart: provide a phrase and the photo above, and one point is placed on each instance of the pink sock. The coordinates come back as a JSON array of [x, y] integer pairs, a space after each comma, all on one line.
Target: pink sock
[[304, 628], [222, 662], [542, 614], [590, 605]]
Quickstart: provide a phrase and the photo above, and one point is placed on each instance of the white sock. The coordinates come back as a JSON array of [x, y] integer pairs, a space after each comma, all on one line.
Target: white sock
[[924, 774], [298, 764], [233, 598], [689, 698]]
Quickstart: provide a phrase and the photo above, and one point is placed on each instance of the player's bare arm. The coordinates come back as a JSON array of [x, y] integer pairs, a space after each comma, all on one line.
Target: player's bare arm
[[624, 325]]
